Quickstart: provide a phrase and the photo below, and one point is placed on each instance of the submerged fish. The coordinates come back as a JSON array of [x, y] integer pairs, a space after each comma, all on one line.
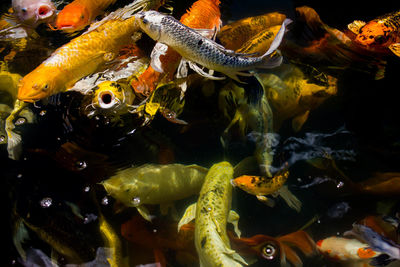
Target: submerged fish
[[203, 14], [283, 248], [234, 35], [79, 14], [196, 48], [345, 249], [380, 33], [211, 214], [75, 60], [33, 12], [155, 184]]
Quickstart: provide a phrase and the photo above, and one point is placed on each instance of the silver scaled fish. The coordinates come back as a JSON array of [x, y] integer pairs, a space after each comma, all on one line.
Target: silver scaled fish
[[196, 48]]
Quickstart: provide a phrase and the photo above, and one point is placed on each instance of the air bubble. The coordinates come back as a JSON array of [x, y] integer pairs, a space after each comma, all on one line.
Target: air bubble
[[86, 189], [340, 184], [43, 112], [136, 201], [46, 202], [80, 165], [104, 201], [2, 138]]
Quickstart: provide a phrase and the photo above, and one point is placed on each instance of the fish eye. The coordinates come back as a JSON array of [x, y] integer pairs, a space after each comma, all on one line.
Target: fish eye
[[145, 21], [24, 10], [82, 16], [46, 86], [269, 252]]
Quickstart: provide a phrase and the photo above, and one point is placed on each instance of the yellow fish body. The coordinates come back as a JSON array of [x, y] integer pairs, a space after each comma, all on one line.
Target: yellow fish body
[[81, 56], [211, 213], [260, 42], [236, 34], [155, 184]]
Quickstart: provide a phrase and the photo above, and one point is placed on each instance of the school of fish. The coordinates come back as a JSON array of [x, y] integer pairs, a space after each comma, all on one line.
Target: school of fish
[[185, 135]]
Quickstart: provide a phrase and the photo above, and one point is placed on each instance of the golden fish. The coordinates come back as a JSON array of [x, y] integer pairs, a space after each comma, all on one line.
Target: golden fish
[[155, 184], [211, 214], [260, 42], [236, 34], [293, 94]]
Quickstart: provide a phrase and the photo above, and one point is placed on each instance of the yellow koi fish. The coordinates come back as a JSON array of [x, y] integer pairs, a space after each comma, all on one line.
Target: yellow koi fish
[[211, 214], [75, 60], [155, 184]]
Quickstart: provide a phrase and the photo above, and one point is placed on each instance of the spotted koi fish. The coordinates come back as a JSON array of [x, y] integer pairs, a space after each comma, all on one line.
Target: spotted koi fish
[[380, 33]]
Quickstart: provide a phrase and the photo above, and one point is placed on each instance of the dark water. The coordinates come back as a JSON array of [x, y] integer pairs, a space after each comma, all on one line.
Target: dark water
[[358, 128]]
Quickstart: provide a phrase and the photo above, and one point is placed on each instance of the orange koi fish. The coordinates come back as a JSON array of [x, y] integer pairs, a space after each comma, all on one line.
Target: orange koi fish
[[203, 14], [79, 14], [261, 186], [271, 248], [380, 33]]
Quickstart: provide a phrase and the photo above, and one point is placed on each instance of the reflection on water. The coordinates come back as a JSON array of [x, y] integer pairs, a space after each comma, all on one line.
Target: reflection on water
[[107, 170]]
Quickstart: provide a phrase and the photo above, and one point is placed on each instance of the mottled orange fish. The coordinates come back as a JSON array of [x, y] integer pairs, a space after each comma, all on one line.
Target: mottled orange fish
[[260, 185], [81, 56], [203, 14], [80, 13], [380, 33]]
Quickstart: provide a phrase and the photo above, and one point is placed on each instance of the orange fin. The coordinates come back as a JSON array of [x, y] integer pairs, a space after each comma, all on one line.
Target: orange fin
[[301, 240]]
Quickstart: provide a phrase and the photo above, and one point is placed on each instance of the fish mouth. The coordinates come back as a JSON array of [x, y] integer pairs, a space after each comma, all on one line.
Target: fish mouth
[[45, 11], [106, 99]]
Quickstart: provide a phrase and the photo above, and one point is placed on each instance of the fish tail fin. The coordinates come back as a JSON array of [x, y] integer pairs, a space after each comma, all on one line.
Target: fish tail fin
[[290, 198], [272, 58]]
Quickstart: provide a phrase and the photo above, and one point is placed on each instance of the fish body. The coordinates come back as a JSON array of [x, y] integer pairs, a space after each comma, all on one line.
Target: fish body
[[235, 35], [80, 13], [294, 91], [33, 12], [203, 14], [155, 184], [259, 185], [80, 57], [380, 33], [194, 47], [345, 249], [260, 42], [211, 214]]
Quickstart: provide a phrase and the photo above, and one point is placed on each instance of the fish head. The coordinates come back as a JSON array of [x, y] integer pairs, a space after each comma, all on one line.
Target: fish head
[[374, 33], [73, 17], [247, 183], [37, 85], [150, 23], [108, 94], [34, 13], [264, 246]]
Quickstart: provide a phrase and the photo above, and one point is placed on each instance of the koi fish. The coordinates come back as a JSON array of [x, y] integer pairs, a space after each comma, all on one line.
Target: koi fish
[[155, 184], [270, 248], [376, 242], [294, 90], [80, 13], [346, 249], [260, 42], [75, 60], [33, 12], [234, 35], [111, 97], [203, 14], [261, 186], [211, 214], [194, 47], [380, 33]]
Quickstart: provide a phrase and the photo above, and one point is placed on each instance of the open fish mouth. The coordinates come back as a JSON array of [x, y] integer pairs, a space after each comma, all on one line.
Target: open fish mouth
[[45, 11], [106, 99]]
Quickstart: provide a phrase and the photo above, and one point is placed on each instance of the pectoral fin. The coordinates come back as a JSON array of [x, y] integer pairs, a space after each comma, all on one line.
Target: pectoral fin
[[355, 26], [188, 216], [395, 48], [233, 254], [159, 50], [298, 121], [233, 218], [144, 212], [267, 201]]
